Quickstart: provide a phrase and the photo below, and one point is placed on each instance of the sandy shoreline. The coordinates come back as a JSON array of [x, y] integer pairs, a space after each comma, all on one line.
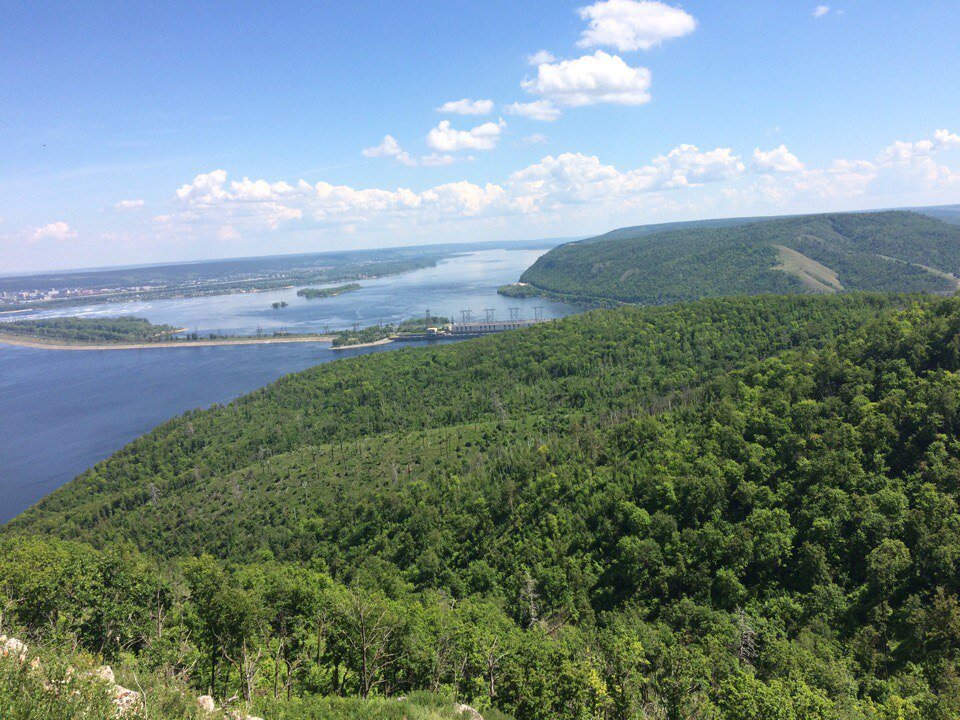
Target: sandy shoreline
[[384, 341], [45, 345]]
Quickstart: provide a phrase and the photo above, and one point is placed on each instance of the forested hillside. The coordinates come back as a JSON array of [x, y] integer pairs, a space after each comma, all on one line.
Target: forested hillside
[[885, 251], [731, 509]]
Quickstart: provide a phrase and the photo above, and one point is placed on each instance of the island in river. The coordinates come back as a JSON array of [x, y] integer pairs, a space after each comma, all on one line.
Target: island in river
[[311, 293]]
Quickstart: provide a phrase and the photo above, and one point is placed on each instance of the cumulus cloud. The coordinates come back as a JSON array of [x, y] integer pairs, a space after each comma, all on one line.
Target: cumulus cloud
[[591, 79], [536, 110], [945, 140], [779, 160], [553, 182], [389, 148], [446, 139], [54, 231], [130, 204], [630, 25], [467, 107], [540, 57], [820, 10], [686, 180], [904, 165]]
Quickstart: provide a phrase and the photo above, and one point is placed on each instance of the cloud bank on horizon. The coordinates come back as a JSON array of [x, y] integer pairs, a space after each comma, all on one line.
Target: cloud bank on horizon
[[560, 194], [557, 188]]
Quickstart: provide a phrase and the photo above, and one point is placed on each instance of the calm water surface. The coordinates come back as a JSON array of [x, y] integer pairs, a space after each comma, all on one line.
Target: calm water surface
[[63, 411]]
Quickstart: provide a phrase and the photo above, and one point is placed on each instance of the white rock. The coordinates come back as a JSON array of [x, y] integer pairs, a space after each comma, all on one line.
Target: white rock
[[467, 711], [125, 699], [105, 673], [11, 647]]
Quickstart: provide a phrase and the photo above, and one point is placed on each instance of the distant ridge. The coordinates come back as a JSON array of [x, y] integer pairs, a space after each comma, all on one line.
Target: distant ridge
[[889, 251]]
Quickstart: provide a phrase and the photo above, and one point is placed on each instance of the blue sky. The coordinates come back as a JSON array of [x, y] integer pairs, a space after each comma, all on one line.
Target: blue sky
[[135, 132]]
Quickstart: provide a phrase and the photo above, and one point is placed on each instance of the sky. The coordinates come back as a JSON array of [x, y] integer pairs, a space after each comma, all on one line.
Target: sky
[[149, 132]]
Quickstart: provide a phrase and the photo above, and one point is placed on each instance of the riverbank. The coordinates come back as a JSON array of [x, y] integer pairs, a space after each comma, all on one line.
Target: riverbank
[[43, 344], [374, 343]]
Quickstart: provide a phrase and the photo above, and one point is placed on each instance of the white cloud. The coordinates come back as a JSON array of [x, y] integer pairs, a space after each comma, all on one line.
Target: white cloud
[[910, 165], [540, 57], [446, 139], [536, 110], [820, 10], [630, 25], [130, 204], [568, 188], [551, 183], [227, 232], [55, 231], [206, 188], [944, 140], [535, 139], [597, 78], [686, 166], [389, 148], [778, 160], [467, 107]]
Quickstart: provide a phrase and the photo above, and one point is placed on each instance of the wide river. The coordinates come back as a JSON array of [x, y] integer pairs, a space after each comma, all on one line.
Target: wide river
[[62, 411]]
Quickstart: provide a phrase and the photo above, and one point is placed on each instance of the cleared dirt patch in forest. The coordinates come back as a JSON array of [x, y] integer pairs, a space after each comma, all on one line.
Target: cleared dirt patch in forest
[[816, 277]]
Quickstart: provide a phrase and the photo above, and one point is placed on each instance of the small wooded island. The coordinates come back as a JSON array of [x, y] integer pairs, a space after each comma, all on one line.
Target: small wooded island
[[313, 293]]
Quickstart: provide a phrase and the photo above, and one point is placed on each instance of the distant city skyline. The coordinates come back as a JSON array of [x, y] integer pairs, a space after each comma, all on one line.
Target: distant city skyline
[[137, 134]]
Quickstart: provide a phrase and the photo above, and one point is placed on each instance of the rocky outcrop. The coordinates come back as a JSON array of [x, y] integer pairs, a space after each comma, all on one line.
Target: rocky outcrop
[[125, 699], [209, 705]]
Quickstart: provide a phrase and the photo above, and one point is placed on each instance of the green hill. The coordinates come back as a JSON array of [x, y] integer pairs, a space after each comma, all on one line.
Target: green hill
[[742, 508], [896, 251]]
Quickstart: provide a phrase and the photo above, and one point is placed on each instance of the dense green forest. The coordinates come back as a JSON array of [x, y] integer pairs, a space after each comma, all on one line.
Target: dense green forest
[[123, 329], [311, 293], [742, 508], [894, 251]]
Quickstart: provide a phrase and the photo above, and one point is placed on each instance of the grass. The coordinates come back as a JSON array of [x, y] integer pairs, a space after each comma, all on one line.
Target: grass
[[813, 275], [418, 706]]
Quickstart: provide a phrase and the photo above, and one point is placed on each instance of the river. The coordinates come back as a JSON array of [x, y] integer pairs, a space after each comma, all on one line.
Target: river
[[61, 412]]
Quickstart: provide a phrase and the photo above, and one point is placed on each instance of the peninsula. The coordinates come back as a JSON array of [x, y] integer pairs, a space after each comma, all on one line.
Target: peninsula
[[127, 333]]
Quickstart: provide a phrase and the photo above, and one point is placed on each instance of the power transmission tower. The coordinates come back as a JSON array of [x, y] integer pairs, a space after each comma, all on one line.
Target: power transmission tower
[[489, 313], [465, 316], [538, 312], [514, 313]]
